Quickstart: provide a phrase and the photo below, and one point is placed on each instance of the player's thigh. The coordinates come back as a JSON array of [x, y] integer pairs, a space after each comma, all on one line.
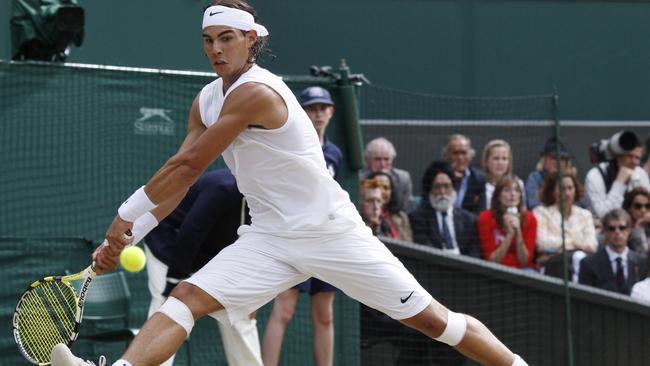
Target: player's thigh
[[361, 266], [248, 274]]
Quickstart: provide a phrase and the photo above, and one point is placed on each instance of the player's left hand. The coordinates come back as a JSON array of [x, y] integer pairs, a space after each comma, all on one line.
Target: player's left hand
[[118, 235]]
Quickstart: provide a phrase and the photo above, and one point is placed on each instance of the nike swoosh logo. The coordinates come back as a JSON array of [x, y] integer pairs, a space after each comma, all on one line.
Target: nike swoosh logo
[[215, 13], [406, 298]]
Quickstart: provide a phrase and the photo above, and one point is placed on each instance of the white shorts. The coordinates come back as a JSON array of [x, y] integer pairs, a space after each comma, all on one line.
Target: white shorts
[[257, 267]]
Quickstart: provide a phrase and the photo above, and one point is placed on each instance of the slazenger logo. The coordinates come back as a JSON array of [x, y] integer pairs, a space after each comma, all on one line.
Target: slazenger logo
[[154, 121]]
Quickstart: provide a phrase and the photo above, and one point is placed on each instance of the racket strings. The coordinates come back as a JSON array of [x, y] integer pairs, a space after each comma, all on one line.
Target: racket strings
[[46, 318]]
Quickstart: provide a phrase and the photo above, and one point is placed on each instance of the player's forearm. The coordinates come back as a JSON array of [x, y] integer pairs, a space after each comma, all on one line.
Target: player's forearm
[[166, 207], [174, 178]]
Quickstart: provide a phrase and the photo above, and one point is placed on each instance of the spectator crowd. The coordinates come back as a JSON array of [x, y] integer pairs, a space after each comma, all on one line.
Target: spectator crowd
[[488, 212]]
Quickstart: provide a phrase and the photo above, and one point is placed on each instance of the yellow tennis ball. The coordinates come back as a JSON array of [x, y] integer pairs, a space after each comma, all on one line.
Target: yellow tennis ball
[[133, 259]]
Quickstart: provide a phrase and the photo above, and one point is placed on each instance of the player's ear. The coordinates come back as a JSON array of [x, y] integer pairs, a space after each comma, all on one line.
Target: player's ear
[[251, 35]]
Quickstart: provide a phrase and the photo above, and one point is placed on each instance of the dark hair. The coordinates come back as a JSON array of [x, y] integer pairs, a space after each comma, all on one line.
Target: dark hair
[[547, 191], [631, 195], [392, 205], [497, 209], [616, 214], [259, 47], [430, 174]]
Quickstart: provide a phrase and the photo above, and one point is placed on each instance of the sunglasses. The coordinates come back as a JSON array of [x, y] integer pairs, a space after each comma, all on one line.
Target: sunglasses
[[638, 206], [614, 228]]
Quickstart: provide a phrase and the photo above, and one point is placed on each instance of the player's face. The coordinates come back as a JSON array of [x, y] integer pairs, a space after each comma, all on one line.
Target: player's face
[[320, 115], [380, 161], [616, 233], [569, 191], [458, 152], [227, 49], [498, 161]]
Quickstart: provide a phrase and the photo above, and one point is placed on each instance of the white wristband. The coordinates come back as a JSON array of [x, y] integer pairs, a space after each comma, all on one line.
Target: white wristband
[[142, 226], [135, 206]]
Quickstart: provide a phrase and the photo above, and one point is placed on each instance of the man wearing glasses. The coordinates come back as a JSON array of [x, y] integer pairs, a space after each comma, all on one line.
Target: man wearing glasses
[[614, 267]]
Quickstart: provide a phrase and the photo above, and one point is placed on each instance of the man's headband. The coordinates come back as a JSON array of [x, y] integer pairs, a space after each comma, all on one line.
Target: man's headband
[[235, 18]]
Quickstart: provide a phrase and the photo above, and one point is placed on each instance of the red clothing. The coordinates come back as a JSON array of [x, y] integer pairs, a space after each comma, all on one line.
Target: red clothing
[[491, 237]]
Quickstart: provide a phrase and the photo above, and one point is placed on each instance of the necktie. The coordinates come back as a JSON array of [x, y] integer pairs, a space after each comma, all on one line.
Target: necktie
[[446, 235], [620, 275]]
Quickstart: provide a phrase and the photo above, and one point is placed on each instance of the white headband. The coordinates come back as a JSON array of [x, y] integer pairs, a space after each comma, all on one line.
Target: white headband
[[235, 18]]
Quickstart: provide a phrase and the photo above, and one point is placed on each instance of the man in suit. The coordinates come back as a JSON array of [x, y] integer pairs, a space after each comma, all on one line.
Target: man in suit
[[469, 182], [379, 156], [437, 222], [615, 267]]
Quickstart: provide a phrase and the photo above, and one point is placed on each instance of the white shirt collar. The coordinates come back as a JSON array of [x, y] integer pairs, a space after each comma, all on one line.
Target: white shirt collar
[[613, 255]]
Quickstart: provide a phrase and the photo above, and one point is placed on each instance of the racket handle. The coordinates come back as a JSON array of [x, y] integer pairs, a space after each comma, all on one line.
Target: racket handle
[[127, 235]]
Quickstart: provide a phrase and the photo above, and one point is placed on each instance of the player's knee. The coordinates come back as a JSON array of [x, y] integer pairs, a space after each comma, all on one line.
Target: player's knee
[[177, 311], [199, 301], [455, 329]]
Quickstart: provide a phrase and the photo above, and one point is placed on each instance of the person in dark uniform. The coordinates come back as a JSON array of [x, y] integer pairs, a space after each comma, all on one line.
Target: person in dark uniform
[[204, 223]]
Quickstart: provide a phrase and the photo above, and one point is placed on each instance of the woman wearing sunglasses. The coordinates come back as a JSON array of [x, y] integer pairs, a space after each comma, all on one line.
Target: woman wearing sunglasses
[[637, 204]]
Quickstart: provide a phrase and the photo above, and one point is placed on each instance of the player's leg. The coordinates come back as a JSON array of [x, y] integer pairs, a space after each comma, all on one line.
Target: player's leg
[[463, 332], [241, 342], [323, 327], [361, 266], [241, 278], [283, 308], [166, 330]]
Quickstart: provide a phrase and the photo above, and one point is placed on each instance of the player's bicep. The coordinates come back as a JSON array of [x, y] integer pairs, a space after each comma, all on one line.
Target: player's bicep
[[249, 104], [195, 126]]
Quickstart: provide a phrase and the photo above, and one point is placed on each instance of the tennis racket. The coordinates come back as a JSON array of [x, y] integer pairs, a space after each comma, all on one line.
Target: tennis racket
[[49, 312]]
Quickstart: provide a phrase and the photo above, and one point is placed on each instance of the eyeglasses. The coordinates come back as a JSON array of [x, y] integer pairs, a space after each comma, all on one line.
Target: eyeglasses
[[614, 228], [638, 206], [441, 186]]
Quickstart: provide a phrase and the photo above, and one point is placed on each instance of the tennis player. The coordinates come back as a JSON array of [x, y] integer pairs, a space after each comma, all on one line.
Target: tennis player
[[303, 224], [318, 104]]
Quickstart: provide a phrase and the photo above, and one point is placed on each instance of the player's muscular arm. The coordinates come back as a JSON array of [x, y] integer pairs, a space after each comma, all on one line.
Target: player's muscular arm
[[249, 104]]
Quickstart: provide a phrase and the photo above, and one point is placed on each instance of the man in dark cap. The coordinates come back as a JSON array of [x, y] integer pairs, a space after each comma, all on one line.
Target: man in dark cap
[[547, 164], [437, 222]]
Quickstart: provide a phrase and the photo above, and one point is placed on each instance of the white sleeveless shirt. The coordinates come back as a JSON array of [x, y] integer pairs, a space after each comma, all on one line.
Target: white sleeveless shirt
[[281, 172]]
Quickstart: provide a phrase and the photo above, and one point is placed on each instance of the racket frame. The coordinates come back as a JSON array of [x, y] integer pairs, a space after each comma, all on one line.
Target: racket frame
[[88, 274]]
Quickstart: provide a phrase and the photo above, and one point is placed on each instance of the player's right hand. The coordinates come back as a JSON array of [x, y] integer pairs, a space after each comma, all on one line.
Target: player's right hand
[[104, 262]]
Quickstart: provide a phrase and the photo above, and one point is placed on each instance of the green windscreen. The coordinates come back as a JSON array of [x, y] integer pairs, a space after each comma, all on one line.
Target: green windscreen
[[75, 141]]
